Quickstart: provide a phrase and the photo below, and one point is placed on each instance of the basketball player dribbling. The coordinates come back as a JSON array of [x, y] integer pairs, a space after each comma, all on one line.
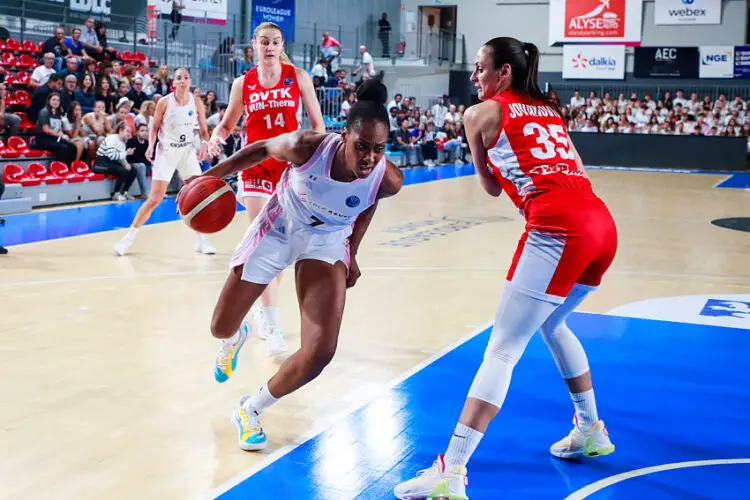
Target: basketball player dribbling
[[175, 121], [270, 95], [315, 219], [520, 145]]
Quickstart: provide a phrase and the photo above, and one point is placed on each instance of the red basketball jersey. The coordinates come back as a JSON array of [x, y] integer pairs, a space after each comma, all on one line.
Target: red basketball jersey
[[532, 154], [270, 112]]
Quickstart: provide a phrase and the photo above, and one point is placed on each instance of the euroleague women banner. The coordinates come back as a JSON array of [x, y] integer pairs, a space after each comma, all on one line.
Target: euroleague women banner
[[595, 21]]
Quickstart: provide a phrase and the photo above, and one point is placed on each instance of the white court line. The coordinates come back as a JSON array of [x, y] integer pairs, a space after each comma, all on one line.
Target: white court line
[[8, 219], [618, 478], [375, 268], [284, 450]]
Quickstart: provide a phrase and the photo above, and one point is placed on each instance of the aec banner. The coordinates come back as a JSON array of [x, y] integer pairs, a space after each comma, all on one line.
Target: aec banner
[[742, 62], [666, 62], [595, 21], [280, 12]]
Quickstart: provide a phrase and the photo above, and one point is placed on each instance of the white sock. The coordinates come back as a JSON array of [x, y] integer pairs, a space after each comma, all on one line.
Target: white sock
[[259, 401], [462, 445], [234, 338], [271, 315], [585, 405], [131, 232]]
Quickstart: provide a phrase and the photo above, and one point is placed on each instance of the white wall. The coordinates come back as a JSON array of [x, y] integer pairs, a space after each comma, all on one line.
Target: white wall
[[528, 20]]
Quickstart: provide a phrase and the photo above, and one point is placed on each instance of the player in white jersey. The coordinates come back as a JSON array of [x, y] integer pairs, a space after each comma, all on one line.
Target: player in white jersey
[[315, 220], [175, 121]]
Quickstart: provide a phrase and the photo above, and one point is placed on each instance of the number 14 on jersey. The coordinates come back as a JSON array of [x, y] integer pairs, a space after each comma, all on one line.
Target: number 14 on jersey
[[277, 121]]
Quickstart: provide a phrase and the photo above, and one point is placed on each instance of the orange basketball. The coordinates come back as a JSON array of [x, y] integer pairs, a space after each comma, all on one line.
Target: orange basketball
[[207, 204]]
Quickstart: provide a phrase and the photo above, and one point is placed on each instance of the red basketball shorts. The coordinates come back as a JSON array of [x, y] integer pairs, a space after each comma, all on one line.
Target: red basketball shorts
[[261, 179], [570, 239]]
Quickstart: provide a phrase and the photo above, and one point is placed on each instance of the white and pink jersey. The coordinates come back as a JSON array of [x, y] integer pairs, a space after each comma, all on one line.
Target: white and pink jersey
[[311, 197], [179, 124]]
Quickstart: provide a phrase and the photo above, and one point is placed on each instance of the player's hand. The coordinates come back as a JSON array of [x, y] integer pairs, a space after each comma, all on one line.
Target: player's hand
[[150, 153], [203, 154], [215, 146], [354, 273]]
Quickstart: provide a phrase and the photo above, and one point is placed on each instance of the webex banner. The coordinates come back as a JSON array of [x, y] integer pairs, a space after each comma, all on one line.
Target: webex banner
[[666, 62], [687, 12]]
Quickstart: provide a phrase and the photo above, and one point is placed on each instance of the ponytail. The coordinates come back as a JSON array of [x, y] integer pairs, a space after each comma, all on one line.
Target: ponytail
[[285, 58], [523, 59]]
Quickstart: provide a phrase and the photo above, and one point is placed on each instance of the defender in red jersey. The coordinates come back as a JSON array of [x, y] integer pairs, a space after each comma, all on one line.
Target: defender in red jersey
[[269, 96], [520, 145]]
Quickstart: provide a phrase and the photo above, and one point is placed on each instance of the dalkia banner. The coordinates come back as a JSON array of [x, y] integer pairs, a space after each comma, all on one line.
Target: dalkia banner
[[596, 62], [595, 21]]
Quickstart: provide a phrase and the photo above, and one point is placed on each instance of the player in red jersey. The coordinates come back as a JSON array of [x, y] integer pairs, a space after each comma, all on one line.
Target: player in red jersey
[[269, 95], [520, 145]]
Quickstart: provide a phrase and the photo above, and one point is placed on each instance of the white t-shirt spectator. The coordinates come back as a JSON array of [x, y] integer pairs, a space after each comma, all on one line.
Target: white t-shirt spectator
[[368, 64], [577, 102], [41, 74], [319, 71]]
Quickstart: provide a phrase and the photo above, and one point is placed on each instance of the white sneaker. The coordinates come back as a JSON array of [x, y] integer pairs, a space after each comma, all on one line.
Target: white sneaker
[[122, 246], [434, 483], [204, 246], [275, 343], [118, 197], [593, 442], [260, 321]]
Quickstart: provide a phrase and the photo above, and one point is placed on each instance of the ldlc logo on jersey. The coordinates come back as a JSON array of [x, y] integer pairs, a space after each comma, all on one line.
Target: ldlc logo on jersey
[[731, 308], [352, 201], [597, 18]]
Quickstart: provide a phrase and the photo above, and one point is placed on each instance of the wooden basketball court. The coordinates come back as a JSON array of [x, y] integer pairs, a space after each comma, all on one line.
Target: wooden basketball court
[[107, 363]]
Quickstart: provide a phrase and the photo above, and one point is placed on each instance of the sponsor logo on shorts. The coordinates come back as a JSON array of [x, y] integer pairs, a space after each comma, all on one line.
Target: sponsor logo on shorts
[[352, 201], [258, 185]]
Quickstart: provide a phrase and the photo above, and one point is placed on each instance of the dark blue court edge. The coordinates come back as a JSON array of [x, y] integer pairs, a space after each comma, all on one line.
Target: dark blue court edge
[[65, 222], [668, 392]]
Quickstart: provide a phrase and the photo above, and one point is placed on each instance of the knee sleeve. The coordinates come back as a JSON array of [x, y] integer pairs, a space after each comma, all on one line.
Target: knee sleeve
[[517, 318], [565, 347]]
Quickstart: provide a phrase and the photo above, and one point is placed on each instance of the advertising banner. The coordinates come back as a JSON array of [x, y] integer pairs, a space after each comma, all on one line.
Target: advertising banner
[[595, 62], [717, 61], [687, 12], [595, 21], [666, 62], [280, 12], [742, 62]]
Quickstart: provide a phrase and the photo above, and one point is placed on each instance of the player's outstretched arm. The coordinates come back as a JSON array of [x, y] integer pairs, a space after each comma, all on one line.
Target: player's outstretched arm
[[482, 121], [391, 184], [295, 147]]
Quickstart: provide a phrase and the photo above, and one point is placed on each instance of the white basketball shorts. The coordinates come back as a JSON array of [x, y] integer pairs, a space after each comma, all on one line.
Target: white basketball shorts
[[274, 241], [167, 160]]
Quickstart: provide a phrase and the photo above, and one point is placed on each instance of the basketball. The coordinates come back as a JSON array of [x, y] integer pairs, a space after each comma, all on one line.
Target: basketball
[[207, 204]]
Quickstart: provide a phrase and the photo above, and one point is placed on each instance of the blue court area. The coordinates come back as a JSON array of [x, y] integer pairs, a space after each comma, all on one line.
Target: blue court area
[[66, 222], [736, 181], [668, 392]]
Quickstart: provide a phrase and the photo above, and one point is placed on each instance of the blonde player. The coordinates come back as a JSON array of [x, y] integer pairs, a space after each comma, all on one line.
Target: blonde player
[[271, 95], [176, 119]]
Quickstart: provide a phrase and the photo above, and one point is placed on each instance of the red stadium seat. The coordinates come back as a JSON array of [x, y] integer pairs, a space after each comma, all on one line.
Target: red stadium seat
[[128, 56], [30, 47], [2, 44], [22, 97], [80, 168], [26, 62], [14, 174], [8, 60], [26, 124], [37, 171], [62, 171], [12, 45], [10, 79], [18, 144], [140, 56], [23, 78]]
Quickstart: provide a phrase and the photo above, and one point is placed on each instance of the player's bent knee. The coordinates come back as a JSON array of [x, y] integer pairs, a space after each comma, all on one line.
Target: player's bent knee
[[319, 355], [220, 328]]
